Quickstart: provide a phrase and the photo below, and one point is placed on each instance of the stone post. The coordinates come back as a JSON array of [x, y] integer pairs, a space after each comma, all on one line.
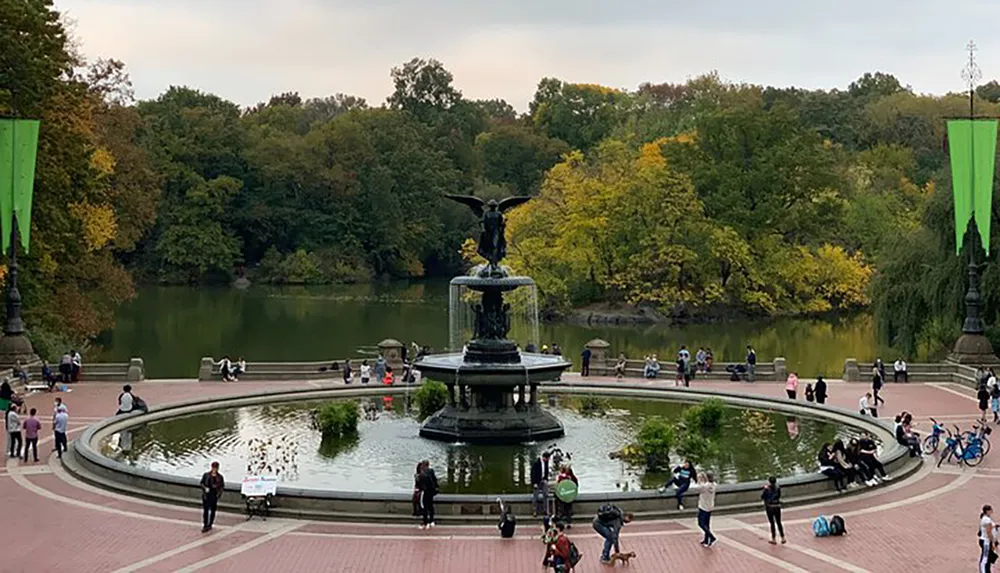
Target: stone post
[[136, 371], [461, 397], [780, 369], [392, 351], [534, 395], [851, 371], [451, 394], [520, 396], [598, 356], [205, 369]]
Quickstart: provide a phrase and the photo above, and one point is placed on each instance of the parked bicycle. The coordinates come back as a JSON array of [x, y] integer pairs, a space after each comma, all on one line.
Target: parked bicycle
[[932, 441], [965, 448], [980, 433]]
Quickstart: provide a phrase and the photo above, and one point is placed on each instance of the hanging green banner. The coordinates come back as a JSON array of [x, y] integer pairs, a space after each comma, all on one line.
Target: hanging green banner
[[972, 144]]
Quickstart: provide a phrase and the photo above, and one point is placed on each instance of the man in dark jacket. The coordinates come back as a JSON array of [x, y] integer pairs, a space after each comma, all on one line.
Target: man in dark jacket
[[585, 356], [428, 489], [540, 484], [212, 485], [820, 390]]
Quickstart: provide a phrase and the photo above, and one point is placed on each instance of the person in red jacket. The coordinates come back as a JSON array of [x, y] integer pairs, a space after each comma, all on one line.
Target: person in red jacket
[[560, 550]]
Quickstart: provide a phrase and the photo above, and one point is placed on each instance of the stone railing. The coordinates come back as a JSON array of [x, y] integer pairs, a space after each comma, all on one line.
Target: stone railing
[[124, 372], [391, 350], [916, 372], [603, 361]]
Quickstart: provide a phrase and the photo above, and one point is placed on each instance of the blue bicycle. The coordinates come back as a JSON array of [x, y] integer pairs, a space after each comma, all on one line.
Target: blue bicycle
[[932, 441], [968, 451]]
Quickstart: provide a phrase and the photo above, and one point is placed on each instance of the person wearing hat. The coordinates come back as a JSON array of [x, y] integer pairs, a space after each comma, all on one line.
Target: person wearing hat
[[540, 484], [212, 484]]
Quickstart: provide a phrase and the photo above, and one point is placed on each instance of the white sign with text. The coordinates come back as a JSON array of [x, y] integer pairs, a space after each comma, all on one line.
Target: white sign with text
[[259, 486]]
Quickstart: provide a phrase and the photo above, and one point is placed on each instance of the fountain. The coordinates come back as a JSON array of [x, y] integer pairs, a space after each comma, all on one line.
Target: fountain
[[492, 385]]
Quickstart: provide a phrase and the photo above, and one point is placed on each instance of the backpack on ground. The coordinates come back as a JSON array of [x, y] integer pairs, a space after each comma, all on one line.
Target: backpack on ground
[[608, 513], [837, 525], [821, 527]]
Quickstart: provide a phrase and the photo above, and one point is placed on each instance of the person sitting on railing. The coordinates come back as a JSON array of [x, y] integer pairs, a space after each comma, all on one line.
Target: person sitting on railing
[[652, 367], [899, 371], [19, 372], [620, 367], [240, 368], [48, 376], [225, 368], [829, 467], [905, 435]]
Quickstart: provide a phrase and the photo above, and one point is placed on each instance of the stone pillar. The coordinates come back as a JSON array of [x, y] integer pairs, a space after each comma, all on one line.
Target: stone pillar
[[205, 369], [520, 396], [534, 395], [451, 395], [136, 371], [780, 369], [851, 371], [462, 402], [392, 351], [598, 356]]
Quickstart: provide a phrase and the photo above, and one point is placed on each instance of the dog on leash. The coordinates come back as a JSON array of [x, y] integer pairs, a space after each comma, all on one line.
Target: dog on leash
[[623, 557]]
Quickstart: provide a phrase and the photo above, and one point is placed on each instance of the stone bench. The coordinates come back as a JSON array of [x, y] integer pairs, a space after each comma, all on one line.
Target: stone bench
[[765, 371], [123, 372], [268, 371]]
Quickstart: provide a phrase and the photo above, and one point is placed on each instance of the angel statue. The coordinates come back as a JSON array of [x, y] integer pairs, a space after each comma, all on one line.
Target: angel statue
[[492, 244]]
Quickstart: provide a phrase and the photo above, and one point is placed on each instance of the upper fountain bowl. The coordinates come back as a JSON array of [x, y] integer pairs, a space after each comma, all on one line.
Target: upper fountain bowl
[[530, 369]]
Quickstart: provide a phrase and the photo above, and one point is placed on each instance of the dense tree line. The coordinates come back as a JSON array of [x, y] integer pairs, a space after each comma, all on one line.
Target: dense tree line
[[699, 198]]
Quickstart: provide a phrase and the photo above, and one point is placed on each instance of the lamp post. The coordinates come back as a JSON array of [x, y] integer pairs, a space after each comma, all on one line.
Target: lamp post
[[972, 149]]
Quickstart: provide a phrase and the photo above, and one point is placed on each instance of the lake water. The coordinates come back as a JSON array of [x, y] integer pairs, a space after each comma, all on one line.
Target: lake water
[[171, 328], [749, 445]]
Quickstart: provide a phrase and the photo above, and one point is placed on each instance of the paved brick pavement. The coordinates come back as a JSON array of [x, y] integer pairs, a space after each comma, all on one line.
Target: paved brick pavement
[[53, 523]]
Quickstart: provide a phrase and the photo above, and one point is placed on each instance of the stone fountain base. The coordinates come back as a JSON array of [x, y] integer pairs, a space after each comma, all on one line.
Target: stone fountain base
[[478, 426]]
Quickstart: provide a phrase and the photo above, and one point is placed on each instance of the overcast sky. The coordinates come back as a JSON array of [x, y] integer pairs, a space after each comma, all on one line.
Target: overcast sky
[[247, 50]]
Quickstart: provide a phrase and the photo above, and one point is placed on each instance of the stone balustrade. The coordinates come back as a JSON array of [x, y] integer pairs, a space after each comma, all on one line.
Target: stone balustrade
[[603, 361]]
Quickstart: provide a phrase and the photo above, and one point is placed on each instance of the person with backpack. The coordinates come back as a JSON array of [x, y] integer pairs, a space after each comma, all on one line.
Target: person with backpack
[[608, 524], [772, 508], [706, 489], [564, 553]]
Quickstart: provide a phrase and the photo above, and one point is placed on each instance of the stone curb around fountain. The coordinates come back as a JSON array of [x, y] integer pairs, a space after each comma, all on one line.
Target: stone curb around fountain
[[90, 466]]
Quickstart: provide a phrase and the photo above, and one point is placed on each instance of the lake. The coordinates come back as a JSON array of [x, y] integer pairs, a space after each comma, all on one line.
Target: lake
[[171, 328]]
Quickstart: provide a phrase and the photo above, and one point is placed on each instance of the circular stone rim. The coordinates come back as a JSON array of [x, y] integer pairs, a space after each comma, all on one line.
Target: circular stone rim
[[128, 476]]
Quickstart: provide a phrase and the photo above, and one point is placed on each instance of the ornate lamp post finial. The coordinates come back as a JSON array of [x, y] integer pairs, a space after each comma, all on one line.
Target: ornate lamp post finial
[[971, 74]]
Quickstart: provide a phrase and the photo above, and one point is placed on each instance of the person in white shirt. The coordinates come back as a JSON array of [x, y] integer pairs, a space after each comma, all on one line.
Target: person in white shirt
[[987, 538], [366, 372], [865, 406], [13, 431], [706, 488], [225, 368], [899, 371], [125, 400]]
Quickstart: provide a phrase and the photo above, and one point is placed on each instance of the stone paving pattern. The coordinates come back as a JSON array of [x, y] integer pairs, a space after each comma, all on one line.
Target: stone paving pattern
[[53, 523]]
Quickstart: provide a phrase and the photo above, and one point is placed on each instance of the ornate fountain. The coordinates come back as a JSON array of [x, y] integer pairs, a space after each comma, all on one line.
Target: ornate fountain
[[492, 385]]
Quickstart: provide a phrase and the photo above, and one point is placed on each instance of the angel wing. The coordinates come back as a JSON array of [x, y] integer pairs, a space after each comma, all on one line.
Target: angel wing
[[511, 202], [475, 203]]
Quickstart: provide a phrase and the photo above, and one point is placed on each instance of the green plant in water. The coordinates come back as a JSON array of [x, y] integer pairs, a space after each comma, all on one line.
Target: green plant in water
[[695, 446], [337, 419], [594, 406], [431, 397], [704, 418], [654, 439]]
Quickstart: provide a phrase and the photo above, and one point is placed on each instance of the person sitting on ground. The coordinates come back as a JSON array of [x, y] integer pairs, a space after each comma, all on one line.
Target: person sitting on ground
[[829, 467]]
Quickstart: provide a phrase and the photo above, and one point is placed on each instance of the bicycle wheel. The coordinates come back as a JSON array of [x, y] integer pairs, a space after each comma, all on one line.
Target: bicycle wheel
[[973, 459], [946, 453], [985, 445], [931, 444]]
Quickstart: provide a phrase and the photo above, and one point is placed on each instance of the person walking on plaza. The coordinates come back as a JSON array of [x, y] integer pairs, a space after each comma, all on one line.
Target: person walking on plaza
[[983, 395], [706, 489], [995, 403], [585, 357], [608, 524], [13, 431], [751, 364], [31, 427], [428, 490], [878, 379], [772, 507], [821, 394], [987, 539], [212, 485], [60, 424], [540, 485], [792, 385]]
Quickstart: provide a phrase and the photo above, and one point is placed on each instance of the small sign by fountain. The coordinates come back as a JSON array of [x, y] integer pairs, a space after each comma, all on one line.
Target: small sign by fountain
[[482, 379]]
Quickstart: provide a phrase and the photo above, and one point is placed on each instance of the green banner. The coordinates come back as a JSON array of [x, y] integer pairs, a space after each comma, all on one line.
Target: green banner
[[972, 144], [18, 151]]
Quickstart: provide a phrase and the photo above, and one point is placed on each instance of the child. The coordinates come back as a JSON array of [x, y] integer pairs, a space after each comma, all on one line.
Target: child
[[810, 393], [549, 535]]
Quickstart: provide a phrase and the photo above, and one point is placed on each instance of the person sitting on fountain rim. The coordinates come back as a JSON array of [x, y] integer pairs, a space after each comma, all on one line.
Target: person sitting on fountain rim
[[540, 485], [682, 478]]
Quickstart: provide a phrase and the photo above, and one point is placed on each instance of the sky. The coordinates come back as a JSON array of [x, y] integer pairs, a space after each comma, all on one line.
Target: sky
[[248, 50]]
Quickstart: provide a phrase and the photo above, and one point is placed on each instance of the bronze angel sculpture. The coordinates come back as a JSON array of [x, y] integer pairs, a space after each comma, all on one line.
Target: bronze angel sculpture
[[492, 244]]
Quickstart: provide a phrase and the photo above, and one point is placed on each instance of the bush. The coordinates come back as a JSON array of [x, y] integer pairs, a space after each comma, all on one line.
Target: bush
[[695, 447], [655, 438], [337, 419], [431, 397], [704, 418], [594, 406]]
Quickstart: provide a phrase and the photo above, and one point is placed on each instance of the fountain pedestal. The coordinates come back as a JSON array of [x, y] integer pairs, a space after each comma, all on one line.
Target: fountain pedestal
[[493, 387]]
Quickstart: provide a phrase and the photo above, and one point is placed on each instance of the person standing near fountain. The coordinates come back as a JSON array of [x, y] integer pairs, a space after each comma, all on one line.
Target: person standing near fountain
[[347, 372], [428, 484], [540, 484], [380, 368], [212, 485], [585, 356]]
